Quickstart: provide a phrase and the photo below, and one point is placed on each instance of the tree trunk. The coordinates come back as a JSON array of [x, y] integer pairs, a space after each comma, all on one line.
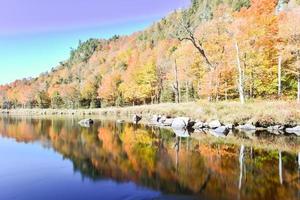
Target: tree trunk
[[240, 81], [176, 86], [298, 93], [279, 75]]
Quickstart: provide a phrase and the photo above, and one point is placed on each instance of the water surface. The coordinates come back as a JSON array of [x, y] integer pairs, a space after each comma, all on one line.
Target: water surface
[[58, 159]]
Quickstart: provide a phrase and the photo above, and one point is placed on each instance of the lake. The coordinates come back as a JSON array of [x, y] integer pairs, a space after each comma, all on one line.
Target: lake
[[55, 158]]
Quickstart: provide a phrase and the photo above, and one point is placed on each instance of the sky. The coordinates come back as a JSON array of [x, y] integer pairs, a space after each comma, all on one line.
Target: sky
[[35, 35]]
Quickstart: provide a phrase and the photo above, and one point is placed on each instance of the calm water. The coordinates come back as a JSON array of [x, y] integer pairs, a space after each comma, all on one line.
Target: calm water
[[57, 159]]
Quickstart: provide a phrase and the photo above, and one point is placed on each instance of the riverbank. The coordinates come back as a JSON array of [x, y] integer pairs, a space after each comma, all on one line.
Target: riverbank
[[259, 113]]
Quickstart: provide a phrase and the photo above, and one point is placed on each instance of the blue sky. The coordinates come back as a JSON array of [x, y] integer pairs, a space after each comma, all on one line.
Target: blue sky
[[36, 35]]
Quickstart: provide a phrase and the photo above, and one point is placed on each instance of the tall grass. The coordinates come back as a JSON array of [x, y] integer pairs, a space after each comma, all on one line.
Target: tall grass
[[261, 113]]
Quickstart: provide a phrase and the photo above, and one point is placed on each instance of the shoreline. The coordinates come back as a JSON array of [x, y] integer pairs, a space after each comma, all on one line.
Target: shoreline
[[260, 113], [197, 111], [259, 139]]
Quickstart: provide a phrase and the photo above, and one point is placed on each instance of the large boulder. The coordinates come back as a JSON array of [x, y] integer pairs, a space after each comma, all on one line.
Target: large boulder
[[295, 130], [86, 122], [214, 124], [136, 119], [180, 123]]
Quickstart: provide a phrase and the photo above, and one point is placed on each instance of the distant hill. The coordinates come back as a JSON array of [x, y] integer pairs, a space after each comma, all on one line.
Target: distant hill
[[216, 49]]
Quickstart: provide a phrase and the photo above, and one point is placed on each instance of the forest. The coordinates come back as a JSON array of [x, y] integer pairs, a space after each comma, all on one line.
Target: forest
[[215, 50]]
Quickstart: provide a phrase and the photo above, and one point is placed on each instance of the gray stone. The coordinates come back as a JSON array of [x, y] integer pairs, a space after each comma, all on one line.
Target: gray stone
[[229, 126], [214, 124], [247, 127], [162, 119], [155, 119], [221, 129], [205, 125], [275, 128], [136, 119], [198, 125], [168, 122], [294, 130], [180, 122]]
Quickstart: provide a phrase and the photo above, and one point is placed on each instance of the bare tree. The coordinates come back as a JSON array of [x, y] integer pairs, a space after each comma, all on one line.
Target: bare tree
[[175, 86], [185, 31], [240, 79]]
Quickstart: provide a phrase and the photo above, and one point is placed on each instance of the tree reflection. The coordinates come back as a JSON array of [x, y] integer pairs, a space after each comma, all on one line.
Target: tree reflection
[[154, 158]]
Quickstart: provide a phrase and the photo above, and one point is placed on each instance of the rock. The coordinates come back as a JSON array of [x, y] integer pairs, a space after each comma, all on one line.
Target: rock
[[168, 122], [162, 119], [275, 128], [229, 126], [221, 129], [180, 122], [155, 119], [136, 119], [198, 125], [205, 125], [295, 130], [214, 124], [247, 127], [86, 122]]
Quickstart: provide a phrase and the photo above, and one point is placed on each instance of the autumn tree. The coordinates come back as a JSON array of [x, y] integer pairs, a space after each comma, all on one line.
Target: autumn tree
[[290, 33], [255, 32], [89, 92], [109, 90]]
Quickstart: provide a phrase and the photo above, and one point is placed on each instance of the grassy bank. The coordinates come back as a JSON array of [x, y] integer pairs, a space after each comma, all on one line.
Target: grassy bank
[[261, 113]]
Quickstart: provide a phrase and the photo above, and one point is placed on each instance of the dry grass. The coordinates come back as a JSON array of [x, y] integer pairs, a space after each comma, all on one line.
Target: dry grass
[[261, 113]]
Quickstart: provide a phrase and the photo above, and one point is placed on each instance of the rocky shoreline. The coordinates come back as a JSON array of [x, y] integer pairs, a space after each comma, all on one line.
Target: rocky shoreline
[[218, 128], [214, 120]]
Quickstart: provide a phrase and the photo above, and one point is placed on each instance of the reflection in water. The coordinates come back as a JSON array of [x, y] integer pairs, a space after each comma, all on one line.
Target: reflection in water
[[153, 158], [280, 167], [241, 159], [182, 133], [299, 160]]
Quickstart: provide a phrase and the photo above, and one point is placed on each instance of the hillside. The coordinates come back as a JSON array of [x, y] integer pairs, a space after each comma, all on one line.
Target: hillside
[[216, 50]]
